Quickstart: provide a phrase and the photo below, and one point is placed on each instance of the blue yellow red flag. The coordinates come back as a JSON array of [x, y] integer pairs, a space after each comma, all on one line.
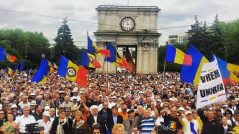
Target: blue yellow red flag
[[41, 73], [177, 56], [93, 49], [70, 70], [113, 51], [230, 72], [191, 74], [22, 66]]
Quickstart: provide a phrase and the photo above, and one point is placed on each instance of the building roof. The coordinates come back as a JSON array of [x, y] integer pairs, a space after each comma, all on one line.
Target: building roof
[[128, 8]]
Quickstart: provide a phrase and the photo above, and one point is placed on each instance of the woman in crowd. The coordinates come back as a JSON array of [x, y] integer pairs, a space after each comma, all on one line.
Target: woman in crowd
[[79, 125], [118, 129], [10, 127], [96, 129], [62, 125]]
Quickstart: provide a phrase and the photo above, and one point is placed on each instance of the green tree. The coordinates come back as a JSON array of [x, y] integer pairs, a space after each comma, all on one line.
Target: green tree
[[199, 37], [64, 44], [25, 45], [230, 34], [216, 45]]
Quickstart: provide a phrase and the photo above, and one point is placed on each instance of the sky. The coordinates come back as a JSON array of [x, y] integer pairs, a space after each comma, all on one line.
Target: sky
[[82, 15]]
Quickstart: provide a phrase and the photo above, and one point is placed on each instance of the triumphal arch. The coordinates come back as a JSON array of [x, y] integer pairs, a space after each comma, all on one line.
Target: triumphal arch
[[129, 27]]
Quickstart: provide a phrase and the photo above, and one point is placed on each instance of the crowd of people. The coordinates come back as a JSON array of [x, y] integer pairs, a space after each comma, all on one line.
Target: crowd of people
[[120, 103]]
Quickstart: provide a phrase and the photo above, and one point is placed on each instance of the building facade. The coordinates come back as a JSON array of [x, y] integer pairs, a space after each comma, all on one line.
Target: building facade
[[131, 26]]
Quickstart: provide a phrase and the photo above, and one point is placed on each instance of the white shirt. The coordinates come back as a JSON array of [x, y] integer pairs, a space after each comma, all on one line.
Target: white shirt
[[95, 118], [47, 126], [22, 105], [159, 120], [186, 126], [22, 121], [111, 104]]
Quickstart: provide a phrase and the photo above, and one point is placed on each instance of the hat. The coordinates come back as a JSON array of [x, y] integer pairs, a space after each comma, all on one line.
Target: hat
[[130, 111], [141, 92], [188, 112], [32, 94], [14, 106], [236, 112], [46, 113], [75, 90], [61, 92], [47, 108], [181, 109], [33, 103], [1, 112], [171, 99], [74, 98], [114, 97]]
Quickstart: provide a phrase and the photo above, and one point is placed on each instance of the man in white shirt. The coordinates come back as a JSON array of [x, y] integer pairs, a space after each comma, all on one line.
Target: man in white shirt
[[24, 119], [190, 126], [45, 122], [24, 102]]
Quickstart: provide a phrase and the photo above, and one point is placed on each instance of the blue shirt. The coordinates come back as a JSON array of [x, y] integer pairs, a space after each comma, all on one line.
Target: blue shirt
[[147, 125]]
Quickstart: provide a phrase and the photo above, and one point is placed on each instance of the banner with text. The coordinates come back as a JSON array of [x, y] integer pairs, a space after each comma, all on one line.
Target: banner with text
[[211, 88]]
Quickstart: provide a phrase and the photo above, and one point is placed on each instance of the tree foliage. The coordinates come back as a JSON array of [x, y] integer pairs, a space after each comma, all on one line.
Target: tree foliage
[[230, 34], [64, 44], [28, 46]]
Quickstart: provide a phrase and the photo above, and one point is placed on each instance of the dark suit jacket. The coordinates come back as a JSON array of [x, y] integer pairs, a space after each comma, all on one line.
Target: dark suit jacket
[[67, 126], [100, 121], [119, 119], [128, 128], [109, 121]]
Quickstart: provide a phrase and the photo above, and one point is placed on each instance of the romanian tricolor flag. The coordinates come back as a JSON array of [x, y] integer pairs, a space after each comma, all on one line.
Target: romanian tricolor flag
[[2, 54], [230, 72], [191, 74], [22, 66], [72, 72], [10, 71], [93, 49], [89, 60], [177, 56], [122, 62], [11, 58], [52, 66], [41, 73], [93, 63], [116, 58]]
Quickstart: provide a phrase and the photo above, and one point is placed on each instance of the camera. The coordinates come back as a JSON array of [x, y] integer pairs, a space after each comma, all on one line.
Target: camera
[[33, 128]]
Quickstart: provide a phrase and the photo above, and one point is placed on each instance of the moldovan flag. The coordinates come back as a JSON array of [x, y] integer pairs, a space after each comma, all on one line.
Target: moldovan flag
[[10, 71], [211, 89], [177, 56], [93, 63], [40, 75], [2, 54], [191, 74], [71, 71], [230, 72], [93, 49], [11, 58], [22, 65], [113, 51]]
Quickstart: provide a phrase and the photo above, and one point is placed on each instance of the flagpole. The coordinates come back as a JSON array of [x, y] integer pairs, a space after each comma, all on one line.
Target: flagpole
[[107, 76], [164, 67]]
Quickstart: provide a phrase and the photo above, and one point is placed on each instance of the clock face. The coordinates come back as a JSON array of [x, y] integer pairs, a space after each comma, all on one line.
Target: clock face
[[127, 24]]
